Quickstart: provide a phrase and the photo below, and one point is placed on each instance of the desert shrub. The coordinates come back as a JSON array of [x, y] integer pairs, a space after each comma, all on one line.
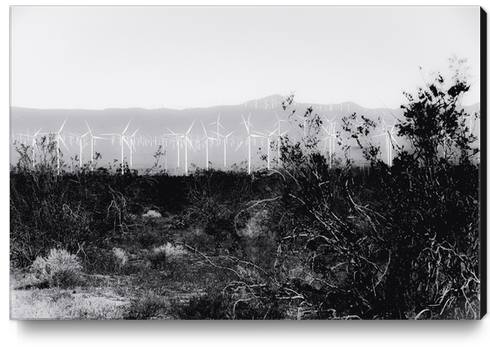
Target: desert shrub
[[198, 239], [58, 269], [397, 243], [172, 252], [214, 199], [263, 303], [69, 211], [99, 260], [105, 260], [432, 194], [121, 258], [385, 242], [166, 255], [221, 205], [157, 259], [145, 307], [145, 236]]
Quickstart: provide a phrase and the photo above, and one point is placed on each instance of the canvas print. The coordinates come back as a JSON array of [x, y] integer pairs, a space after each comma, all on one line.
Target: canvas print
[[247, 163]]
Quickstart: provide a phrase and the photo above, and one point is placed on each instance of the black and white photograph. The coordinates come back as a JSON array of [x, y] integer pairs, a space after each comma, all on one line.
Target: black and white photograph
[[247, 163]]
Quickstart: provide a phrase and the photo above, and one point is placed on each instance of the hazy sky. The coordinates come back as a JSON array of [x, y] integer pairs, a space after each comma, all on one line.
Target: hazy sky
[[101, 57]]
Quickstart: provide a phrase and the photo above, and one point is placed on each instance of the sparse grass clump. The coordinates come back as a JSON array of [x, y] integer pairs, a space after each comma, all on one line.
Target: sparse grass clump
[[58, 269], [148, 306], [172, 252], [165, 255], [121, 256]]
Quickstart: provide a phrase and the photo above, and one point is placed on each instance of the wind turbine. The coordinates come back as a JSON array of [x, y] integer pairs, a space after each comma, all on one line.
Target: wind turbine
[[240, 142], [81, 144], [329, 139], [274, 102], [225, 141], [331, 135], [279, 135], [92, 145], [176, 141], [207, 144], [26, 138], [330, 121], [218, 125], [249, 125], [334, 136], [388, 133], [122, 140], [132, 147], [268, 137], [34, 146], [187, 141], [58, 139]]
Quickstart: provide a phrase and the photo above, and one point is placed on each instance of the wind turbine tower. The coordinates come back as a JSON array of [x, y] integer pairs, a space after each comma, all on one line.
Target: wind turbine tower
[[388, 132], [58, 139], [122, 140], [187, 141], [92, 145]]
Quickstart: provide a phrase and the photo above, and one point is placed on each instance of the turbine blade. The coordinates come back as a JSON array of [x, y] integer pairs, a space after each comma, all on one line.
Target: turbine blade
[[395, 141], [127, 126], [191, 126], [171, 131], [62, 125], [38, 131], [90, 130], [203, 128], [63, 141], [190, 143]]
